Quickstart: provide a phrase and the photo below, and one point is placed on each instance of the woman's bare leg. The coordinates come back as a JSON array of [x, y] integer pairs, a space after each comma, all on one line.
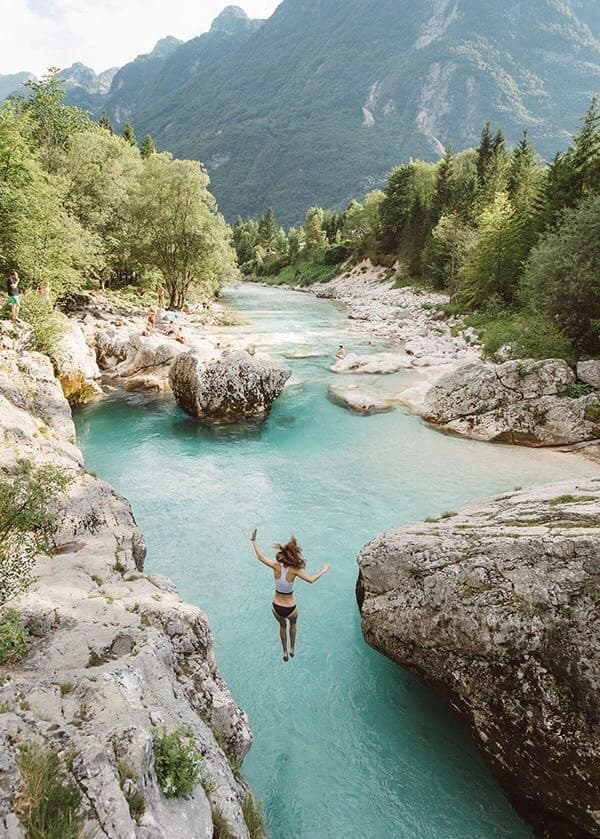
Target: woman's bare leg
[[282, 634], [293, 622]]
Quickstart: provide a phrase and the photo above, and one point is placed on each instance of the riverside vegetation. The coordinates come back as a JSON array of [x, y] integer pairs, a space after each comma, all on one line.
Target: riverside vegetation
[[512, 241], [82, 207]]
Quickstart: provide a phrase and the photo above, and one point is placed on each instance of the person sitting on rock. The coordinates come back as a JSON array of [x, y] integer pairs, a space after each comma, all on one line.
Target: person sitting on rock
[[150, 322], [12, 290], [288, 565], [341, 353]]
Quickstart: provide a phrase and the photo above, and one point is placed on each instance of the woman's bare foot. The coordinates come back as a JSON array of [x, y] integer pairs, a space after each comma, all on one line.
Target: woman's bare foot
[[285, 656], [292, 652]]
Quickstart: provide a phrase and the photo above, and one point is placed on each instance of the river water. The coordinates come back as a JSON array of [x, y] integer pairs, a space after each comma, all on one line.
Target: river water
[[347, 744]]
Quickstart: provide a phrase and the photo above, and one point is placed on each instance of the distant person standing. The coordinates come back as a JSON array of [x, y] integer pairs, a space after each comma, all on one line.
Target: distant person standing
[[161, 291], [12, 290], [45, 291]]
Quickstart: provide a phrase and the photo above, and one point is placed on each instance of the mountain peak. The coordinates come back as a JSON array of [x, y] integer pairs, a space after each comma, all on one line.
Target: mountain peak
[[232, 19], [166, 46]]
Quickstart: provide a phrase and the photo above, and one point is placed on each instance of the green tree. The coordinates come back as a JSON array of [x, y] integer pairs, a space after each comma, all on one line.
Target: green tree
[[293, 240], [362, 224], [316, 239], [586, 154], [562, 276], [452, 241], [147, 148], [485, 153], [444, 183], [104, 122], [129, 133], [268, 229], [50, 122], [488, 272], [178, 230]]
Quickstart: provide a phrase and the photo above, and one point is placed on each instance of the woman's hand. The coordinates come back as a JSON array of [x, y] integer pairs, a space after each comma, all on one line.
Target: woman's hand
[[326, 567], [253, 537]]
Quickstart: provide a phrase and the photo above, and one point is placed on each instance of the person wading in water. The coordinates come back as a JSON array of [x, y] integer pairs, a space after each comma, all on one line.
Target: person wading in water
[[289, 564]]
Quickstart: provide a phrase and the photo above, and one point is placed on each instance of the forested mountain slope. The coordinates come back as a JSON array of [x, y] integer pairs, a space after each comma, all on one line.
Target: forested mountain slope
[[316, 104]]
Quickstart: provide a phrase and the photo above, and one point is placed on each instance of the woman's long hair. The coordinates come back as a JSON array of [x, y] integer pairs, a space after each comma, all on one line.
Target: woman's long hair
[[290, 555]]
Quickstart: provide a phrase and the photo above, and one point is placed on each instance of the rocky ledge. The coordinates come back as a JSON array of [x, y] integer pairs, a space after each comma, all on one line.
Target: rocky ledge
[[114, 654], [498, 607], [530, 403]]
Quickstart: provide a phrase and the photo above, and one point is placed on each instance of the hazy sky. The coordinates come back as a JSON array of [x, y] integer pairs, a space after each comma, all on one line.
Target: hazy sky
[[36, 34]]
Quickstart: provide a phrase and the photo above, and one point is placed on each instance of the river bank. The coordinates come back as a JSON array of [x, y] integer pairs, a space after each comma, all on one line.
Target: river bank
[[112, 654]]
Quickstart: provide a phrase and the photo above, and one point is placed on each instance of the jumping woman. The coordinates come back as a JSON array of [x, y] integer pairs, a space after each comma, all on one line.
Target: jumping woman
[[289, 564]]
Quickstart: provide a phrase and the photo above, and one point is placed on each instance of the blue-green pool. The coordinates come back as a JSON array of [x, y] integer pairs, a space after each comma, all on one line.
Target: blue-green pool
[[347, 744]]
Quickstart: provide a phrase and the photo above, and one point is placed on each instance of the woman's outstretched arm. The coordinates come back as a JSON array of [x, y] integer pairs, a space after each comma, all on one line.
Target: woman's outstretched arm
[[312, 578], [259, 554]]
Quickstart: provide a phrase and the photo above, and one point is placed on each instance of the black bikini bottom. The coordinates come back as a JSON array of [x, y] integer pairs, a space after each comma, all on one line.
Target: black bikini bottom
[[283, 611]]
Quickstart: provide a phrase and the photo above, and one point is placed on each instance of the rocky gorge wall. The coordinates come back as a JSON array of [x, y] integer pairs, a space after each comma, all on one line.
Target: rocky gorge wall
[[114, 653], [498, 608]]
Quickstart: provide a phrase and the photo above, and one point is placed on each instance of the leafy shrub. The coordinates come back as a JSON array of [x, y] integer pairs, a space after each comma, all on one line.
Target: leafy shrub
[[592, 413], [578, 390], [253, 816], [47, 323], [49, 804], [304, 272], [338, 253], [26, 522], [528, 334], [13, 639], [176, 761]]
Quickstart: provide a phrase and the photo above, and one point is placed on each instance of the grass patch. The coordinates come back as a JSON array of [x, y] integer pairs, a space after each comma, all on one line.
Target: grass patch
[[304, 272], [253, 816], [13, 639], [592, 413], [49, 805], [66, 688], [234, 761], [579, 390], [571, 499], [448, 514], [136, 803], [176, 761], [221, 827]]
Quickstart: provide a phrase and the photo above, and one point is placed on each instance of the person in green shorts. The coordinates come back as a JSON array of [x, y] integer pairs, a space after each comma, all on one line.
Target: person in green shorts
[[12, 289]]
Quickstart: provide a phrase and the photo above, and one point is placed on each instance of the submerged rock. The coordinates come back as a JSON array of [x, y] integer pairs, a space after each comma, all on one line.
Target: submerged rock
[[380, 363], [228, 386], [497, 608], [521, 402], [354, 399]]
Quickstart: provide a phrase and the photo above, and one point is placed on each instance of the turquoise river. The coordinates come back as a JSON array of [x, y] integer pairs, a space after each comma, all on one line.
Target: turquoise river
[[346, 743]]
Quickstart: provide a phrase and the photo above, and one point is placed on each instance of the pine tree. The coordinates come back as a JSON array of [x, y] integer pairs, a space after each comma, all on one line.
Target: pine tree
[[104, 122], [147, 148], [586, 153], [129, 133], [268, 229], [443, 185], [485, 152]]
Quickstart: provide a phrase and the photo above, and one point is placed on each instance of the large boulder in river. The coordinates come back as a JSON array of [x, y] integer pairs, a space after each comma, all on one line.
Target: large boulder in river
[[498, 608], [522, 402], [226, 387]]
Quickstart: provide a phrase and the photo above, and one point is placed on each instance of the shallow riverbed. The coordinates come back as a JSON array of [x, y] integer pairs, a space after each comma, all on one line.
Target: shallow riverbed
[[347, 744]]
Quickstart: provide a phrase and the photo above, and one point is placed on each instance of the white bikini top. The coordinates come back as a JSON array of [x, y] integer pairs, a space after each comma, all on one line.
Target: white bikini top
[[282, 585]]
